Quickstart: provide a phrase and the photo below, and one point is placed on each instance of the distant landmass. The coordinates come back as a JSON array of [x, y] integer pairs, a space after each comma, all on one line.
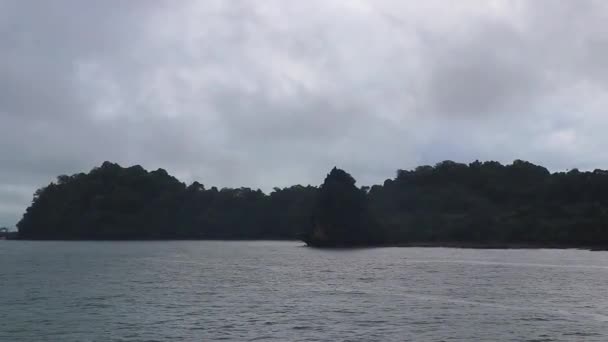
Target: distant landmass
[[6, 234], [481, 204]]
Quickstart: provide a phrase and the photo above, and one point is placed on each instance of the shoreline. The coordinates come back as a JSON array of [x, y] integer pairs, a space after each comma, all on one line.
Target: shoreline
[[470, 245], [150, 239], [459, 245]]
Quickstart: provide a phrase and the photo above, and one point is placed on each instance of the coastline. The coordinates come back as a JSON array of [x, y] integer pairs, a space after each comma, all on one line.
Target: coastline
[[472, 245], [469, 245], [444, 244]]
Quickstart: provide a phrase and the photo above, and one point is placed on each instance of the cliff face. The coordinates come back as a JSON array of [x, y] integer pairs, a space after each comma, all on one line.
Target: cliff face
[[319, 233], [342, 217], [318, 237], [322, 235]]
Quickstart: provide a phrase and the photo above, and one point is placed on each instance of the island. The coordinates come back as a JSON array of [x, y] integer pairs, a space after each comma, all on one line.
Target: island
[[480, 204]]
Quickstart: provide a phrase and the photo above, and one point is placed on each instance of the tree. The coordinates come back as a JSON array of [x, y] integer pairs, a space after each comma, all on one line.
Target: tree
[[485, 203], [342, 216]]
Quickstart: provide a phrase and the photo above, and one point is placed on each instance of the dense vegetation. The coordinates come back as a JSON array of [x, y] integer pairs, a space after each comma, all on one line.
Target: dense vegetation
[[342, 214], [484, 203], [112, 202], [479, 203]]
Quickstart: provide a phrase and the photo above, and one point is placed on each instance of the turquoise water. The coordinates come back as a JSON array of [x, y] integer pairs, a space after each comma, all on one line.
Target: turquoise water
[[281, 291]]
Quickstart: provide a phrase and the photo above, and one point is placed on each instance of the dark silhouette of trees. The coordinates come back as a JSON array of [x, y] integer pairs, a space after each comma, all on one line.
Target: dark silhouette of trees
[[481, 203], [112, 202], [491, 204], [341, 216]]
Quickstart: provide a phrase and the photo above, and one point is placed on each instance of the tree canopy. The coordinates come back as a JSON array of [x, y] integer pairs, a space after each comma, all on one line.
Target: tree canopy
[[342, 216], [112, 202], [484, 203]]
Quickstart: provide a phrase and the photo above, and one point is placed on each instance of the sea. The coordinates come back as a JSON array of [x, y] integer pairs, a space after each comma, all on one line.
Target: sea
[[283, 291]]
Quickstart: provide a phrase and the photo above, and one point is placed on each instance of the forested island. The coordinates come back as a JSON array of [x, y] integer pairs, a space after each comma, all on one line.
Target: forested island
[[481, 204]]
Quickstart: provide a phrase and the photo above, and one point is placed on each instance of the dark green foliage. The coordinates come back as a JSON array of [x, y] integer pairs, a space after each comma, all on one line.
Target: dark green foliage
[[342, 216], [491, 204], [482, 203], [112, 202]]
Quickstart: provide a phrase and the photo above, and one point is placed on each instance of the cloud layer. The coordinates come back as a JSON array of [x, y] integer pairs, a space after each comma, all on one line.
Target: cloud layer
[[275, 93]]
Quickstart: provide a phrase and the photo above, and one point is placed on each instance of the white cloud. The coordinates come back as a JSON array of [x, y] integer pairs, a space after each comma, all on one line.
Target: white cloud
[[275, 93]]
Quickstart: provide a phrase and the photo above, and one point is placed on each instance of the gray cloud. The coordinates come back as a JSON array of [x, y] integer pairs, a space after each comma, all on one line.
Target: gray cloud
[[276, 93]]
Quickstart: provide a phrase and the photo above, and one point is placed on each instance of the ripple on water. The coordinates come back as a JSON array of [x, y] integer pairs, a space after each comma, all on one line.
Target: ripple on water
[[276, 291]]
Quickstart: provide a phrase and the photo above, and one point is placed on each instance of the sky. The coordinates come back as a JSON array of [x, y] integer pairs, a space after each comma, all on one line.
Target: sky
[[275, 93]]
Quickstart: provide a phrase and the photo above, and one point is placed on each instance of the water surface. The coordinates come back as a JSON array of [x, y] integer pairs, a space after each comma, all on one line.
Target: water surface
[[281, 291]]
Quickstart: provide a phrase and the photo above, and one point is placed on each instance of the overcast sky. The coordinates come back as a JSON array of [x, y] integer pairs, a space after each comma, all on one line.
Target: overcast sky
[[274, 93]]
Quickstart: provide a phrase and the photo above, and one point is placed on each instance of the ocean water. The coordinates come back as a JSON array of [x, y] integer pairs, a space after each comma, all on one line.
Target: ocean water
[[282, 291]]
